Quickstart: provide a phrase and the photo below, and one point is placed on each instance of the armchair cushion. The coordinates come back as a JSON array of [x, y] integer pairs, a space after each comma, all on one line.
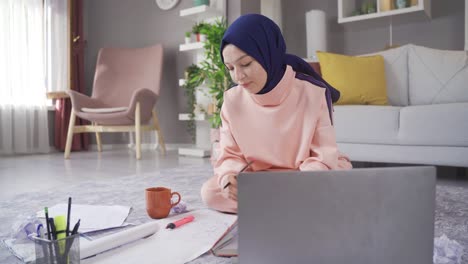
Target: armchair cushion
[[104, 110], [147, 99]]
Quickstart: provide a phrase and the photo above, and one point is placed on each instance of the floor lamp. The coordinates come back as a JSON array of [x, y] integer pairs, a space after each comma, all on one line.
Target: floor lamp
[[316, 27]]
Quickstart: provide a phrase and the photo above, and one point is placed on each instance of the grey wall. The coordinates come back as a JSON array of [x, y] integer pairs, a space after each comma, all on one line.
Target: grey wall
[[250, 6], [444, 31], [235, 8], [138, 23]]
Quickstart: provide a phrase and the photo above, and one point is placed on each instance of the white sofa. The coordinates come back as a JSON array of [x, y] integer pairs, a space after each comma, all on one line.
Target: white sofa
[[427, 119]]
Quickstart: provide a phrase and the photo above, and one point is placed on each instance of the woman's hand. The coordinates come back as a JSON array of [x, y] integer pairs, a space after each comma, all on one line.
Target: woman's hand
[[229, 186]]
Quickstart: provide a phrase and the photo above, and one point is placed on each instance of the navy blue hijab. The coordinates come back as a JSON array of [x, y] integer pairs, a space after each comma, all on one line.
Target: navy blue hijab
[[261, 38]]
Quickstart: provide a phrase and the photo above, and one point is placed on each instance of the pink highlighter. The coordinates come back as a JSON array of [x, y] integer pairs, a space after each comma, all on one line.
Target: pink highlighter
[[180, 222]]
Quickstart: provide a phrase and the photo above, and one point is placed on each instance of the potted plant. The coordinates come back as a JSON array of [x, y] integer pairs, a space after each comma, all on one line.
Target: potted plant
[[204, 30], [188, 36], [214, 71], [198, 28], [217, 78]]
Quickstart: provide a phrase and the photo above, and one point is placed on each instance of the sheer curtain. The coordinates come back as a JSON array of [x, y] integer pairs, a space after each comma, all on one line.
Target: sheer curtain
[[23, 109], [56, 44]]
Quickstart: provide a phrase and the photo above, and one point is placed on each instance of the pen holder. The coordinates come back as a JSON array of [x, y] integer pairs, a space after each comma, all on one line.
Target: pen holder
[[60, 251]]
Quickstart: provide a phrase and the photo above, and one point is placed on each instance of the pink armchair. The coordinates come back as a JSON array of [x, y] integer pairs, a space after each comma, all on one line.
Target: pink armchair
[[125, 90]]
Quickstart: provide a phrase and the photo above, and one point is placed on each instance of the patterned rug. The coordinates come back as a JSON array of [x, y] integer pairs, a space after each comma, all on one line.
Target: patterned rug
[[451, 203]]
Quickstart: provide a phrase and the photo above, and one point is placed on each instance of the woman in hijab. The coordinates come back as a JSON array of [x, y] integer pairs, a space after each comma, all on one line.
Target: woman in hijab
[[278, 117]]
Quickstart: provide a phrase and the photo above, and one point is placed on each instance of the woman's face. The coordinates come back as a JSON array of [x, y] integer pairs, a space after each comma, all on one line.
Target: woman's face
[[244, 69]]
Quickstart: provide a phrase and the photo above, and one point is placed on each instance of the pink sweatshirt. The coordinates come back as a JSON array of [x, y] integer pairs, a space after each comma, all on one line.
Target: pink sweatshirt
[[288, 128]]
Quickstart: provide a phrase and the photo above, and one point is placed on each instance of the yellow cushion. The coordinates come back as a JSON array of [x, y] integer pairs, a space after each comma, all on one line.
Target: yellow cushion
[[360, 80]]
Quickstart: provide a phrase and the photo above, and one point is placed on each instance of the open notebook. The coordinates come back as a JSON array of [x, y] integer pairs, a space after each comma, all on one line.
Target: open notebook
[[227, 244]]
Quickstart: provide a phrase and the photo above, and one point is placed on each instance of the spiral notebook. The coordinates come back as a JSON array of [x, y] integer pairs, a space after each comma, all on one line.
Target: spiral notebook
[[227, 244]]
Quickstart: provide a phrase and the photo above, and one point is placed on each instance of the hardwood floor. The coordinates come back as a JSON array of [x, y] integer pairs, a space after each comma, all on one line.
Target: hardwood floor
[[20, 174]]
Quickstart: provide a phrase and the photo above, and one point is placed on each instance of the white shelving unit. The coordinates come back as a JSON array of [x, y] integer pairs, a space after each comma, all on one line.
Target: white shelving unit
[[203, 12], [202, 147], [198, 117], [191, 46], [347, 7]]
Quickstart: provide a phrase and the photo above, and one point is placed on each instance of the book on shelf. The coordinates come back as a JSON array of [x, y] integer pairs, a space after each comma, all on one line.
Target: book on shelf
[[227, 244]]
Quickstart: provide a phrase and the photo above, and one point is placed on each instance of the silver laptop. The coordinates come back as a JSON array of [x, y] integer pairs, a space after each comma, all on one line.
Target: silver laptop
[[375, 215]]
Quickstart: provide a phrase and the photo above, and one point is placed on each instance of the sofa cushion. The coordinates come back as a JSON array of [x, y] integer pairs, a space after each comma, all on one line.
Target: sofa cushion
[[396, 74], [367, 124], [360, 80], [437, 76], [435, 125]]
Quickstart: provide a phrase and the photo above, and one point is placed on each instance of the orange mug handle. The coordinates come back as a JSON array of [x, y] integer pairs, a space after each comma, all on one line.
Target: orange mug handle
[[178, 200]]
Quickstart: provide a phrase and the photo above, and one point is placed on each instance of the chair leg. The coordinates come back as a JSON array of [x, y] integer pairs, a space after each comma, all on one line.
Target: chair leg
[[159, 132], [98, 139], [138, 131], [71, 126]]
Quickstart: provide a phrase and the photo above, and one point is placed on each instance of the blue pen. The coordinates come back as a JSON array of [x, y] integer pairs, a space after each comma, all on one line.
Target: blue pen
[[40, 234], [40, 231]]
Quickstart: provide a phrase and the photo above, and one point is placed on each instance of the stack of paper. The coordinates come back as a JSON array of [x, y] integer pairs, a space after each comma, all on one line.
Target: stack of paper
[[175, 246], [93, 217]]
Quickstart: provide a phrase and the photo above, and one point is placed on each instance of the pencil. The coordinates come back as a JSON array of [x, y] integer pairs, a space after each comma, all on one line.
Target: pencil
[[242, 170], [67, 231]]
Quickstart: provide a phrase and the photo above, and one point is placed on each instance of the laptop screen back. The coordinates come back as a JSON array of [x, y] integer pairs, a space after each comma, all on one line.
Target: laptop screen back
[[377, 215]]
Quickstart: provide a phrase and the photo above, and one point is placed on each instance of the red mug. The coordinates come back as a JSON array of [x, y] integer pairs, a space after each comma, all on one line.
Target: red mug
[[159, 202]]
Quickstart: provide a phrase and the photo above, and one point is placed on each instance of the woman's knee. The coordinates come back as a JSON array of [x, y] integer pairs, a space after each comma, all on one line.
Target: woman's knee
[[208, 193]]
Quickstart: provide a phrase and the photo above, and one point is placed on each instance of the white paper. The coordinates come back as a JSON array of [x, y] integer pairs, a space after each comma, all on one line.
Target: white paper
[[117, 239], [93, 217], [179, 245]]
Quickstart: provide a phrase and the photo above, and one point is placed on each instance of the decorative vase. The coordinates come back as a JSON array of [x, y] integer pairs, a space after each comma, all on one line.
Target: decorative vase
[[401, 4], [201, 2], [188, 40]]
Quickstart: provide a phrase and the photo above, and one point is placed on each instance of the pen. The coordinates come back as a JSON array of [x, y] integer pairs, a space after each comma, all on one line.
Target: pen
[[180, 222], [40, 231], [69, 241], [54, 237], [46, 210], [40, 234], [75, 228], [68, 216], [243, 169]]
